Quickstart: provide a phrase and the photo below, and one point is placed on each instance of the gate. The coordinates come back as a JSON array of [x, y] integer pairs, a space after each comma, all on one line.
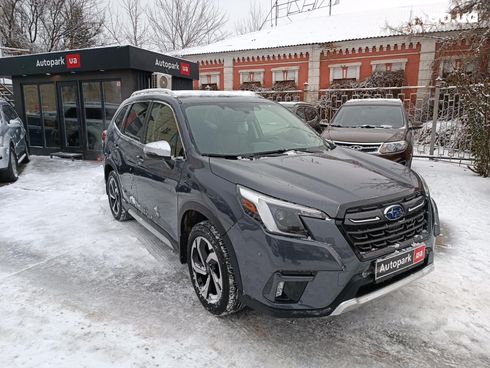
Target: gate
[[437, 111]]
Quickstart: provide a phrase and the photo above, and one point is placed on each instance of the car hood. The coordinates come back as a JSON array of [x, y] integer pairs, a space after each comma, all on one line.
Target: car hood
[[363, 135], [326, 181]]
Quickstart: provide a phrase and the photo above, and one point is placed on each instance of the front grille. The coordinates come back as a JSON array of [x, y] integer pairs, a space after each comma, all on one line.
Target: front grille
[[361, 147], [368, 230]]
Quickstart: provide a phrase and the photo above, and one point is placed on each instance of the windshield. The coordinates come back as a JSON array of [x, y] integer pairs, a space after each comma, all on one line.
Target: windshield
[[243, 128], [365, 116]]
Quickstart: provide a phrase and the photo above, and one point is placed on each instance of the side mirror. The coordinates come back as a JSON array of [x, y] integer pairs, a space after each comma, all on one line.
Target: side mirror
[[158, 149], [12, 121]]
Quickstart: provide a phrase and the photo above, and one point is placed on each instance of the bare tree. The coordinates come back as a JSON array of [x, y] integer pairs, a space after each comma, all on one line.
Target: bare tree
[[468, 40], [47, 25], [132, 28], [253, 21], [179, 24]]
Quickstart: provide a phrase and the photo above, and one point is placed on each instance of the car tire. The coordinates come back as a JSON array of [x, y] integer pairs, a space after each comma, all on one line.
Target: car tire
[[114, 195], [211, 272], [11, 174]]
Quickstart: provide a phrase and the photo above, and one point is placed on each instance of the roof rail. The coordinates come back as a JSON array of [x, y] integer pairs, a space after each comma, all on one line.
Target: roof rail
[[151, 91], [194, 93]]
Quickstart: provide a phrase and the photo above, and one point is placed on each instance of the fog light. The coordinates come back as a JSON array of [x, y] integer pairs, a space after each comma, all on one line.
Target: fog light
[[280, 288]]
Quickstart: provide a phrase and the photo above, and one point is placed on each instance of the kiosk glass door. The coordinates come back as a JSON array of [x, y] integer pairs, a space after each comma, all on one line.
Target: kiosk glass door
[[70, 107]]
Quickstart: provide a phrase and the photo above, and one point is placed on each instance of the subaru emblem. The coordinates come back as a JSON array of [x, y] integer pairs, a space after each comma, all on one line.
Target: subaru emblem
[[394, 212]]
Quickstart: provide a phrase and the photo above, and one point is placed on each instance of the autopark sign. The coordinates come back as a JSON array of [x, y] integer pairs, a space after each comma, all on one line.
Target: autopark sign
[[98, 59], [183, 68], [70, 61]]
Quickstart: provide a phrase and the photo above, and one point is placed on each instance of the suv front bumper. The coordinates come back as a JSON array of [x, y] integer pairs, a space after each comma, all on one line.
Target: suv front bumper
[[331, 278]]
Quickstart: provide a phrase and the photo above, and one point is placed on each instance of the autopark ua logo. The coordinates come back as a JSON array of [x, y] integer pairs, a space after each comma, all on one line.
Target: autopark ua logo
[[71, 61], [185, 69]]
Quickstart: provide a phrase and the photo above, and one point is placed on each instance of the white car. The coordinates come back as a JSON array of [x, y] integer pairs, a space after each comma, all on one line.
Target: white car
[[14, 148]]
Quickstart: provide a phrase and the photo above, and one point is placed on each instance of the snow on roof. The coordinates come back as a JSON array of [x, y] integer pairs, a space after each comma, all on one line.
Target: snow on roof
[[324, 29]]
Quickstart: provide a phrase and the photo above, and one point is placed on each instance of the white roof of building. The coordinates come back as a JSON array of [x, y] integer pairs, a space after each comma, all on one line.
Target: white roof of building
[[311, 29]]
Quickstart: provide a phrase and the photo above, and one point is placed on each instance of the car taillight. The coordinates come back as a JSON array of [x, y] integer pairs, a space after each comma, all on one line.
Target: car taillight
[[104, 136]]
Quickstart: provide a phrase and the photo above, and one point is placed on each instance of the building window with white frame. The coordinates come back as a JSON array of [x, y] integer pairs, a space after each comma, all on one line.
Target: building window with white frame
[[349, 72], [468, 66], [285, 74], [391, 65], [210, 80], [255, 75]]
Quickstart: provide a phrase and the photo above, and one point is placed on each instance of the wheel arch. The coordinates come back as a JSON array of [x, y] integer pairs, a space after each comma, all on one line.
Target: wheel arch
[[193, 213]]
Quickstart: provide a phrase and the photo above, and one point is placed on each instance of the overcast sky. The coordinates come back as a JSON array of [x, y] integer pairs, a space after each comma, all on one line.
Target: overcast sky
[[238, 8]]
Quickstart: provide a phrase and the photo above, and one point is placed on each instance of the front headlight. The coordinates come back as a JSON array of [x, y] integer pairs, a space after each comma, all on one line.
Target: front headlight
[[393, 147], [279, 217]]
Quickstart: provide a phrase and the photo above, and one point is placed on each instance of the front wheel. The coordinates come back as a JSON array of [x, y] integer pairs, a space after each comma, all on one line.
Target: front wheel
[[211, 272]]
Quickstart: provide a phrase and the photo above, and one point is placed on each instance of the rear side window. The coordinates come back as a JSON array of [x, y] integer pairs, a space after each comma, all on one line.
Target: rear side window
[[300, 112], [118, 120], [163, 127], [310, 114], [134, 124], [9, 112]]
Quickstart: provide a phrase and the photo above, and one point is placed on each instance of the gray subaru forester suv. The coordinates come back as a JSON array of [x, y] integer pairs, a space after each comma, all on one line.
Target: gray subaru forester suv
[[14, 148], [264, 211]]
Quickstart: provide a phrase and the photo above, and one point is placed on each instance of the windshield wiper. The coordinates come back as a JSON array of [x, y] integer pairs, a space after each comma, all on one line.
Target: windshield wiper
[[222, 155], [369, 126], [266, 153]]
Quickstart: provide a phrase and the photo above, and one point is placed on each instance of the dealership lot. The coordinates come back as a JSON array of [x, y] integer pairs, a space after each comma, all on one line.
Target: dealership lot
[[80, 289]]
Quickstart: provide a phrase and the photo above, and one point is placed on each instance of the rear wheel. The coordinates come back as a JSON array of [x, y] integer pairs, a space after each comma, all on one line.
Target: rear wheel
[[114, 194], [12, 173], [211, 272]]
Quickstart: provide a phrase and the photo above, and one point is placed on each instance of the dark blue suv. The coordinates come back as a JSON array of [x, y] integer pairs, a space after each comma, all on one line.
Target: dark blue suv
[[264, 211]]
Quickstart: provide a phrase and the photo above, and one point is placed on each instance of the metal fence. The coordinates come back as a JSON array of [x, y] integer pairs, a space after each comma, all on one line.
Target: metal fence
[[438, 112], [278, 96]]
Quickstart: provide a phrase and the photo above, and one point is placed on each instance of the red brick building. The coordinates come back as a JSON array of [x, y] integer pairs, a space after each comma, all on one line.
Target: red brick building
[[310, 54]]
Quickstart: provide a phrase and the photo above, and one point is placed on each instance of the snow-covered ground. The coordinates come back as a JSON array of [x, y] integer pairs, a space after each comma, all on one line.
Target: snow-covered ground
[[78, 289]]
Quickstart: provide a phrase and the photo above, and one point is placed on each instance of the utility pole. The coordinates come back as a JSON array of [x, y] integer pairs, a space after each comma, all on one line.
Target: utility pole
[[330, 8]]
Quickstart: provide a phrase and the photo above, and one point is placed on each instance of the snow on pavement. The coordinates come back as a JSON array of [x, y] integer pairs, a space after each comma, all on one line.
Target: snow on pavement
[[79, 289]]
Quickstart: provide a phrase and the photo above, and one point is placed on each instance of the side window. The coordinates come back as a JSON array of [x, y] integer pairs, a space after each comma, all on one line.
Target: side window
[[300, 112], [310, 114], [118, 120], [134, 124], [163, 127], [9, 113]]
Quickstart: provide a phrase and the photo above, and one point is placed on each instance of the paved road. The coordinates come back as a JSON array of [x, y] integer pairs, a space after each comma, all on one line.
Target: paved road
[[78, 289]]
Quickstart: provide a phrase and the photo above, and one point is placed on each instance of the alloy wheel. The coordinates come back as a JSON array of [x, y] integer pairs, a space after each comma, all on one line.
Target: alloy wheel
[[114, 196], [206, 270]]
